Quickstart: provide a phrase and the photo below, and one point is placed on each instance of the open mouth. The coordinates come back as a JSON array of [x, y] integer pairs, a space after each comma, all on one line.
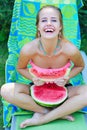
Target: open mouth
[[49, 30]]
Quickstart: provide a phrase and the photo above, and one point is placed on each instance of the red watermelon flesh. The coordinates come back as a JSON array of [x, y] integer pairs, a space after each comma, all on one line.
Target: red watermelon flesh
[[49, 95], [49, 76]]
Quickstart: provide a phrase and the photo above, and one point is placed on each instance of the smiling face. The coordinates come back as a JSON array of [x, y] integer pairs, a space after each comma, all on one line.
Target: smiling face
[[49, 23]]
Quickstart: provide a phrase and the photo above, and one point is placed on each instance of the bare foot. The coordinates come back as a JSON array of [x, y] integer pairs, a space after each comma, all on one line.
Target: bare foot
[[31, 121], [68, 117], [36, 120]]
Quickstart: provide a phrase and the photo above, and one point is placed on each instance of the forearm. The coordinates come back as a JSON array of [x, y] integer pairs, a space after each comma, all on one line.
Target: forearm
[[25, 73], [75, 71]]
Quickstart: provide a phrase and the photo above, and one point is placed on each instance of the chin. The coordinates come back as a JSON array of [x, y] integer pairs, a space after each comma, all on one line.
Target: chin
[[50, 37]]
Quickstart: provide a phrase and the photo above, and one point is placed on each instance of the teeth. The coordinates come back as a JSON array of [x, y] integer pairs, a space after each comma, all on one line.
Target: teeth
[[49, 30]]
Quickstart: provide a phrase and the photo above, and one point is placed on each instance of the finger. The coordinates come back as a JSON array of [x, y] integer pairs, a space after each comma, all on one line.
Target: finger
[[66, 77], [47, 82], [51, 81]]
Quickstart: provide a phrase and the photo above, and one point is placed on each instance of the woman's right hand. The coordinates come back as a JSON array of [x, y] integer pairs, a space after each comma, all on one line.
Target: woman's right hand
[[37, 81]]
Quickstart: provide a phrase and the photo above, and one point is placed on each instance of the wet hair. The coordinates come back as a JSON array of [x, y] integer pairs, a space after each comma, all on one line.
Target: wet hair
[[60, 18]]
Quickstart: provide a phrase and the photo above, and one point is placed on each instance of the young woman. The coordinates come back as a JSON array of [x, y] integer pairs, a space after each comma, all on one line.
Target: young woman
[[49, 50]]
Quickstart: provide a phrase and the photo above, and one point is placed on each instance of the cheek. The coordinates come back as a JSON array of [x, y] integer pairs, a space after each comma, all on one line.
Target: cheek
[[40, 28], [58, 28]]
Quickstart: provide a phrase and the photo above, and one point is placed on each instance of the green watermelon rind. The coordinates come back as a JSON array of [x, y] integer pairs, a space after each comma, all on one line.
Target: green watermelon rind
[[48, 104]]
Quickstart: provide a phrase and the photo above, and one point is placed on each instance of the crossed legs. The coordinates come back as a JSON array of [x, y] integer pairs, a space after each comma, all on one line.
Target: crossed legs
[[74, 103], [18, 94]]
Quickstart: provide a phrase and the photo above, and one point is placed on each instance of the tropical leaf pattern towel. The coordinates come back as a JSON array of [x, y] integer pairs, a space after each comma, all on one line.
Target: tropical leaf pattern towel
[[23, 30]]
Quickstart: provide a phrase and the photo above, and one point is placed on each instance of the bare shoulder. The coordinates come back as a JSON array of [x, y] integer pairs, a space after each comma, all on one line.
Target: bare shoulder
[[30, 48], [72, 53], [69, 48]]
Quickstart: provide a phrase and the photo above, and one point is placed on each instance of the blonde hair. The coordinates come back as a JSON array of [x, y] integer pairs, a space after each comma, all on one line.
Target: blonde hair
[[60, 18]]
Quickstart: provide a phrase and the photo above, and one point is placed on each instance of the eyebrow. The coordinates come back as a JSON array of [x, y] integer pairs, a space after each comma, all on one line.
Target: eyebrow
[[54, 17], [51, 17]]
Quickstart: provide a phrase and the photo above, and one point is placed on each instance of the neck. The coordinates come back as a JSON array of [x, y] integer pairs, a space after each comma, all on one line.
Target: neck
[[49, 47]]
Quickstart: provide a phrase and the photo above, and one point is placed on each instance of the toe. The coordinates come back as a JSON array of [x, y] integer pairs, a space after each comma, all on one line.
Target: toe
[[24, 124], [69, 117]]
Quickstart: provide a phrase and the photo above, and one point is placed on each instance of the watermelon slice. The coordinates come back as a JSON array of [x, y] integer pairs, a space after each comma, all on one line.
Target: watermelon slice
[[49, 95], [51, 76]]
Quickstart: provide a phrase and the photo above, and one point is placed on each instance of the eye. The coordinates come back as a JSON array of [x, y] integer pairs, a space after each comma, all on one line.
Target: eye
[[54, 20], [44, 20]]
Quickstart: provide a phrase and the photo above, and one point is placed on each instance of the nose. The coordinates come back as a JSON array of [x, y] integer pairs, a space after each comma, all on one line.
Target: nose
[[49, 22]]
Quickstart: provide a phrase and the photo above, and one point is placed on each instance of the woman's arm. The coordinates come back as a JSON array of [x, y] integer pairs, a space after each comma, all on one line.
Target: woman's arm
[[24, 58], [72, 54], [27, 53], [76, 57]]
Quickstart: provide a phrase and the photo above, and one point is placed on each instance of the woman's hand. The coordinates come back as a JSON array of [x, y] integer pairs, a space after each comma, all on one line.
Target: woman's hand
[[62, 81], [37, 81]]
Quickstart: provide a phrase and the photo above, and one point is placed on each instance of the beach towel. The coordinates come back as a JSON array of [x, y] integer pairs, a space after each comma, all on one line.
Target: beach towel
[[23, 30]]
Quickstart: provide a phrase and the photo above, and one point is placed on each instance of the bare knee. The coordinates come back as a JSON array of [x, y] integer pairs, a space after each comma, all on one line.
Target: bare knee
[[6, 90], [3, 90], [10, 91], [85, 92], [81, 90]]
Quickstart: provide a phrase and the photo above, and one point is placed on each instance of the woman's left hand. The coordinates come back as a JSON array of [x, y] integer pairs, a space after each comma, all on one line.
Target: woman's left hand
[[62, 81]]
